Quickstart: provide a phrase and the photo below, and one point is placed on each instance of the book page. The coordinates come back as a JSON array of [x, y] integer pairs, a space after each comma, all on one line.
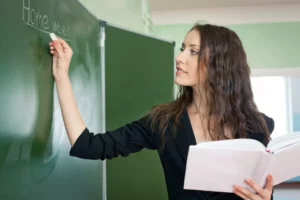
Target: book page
[[216, 169], [285, 164], [242, 143], [283, 141]]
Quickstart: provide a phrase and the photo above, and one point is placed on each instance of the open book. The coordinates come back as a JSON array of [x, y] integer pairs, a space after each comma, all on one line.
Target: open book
[[218, 165]]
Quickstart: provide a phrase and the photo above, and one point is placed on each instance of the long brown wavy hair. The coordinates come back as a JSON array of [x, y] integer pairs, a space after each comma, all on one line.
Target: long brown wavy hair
[[227, 87]]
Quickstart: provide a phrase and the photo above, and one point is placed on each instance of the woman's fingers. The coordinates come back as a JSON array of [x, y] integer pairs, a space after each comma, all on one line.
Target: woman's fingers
[[238, 193], [51, 48], [245, 192], [269, 184], [58, 48], [256, 187], [261, 193], [63, 43], [67, 49], [61, 47]]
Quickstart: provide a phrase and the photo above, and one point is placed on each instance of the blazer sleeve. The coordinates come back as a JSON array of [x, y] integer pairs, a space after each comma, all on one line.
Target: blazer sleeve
[[270, 123], [131, 138], [272, 194]]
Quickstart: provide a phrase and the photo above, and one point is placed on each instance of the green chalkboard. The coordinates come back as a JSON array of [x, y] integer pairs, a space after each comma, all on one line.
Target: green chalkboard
[[139, 74], [34, 148]]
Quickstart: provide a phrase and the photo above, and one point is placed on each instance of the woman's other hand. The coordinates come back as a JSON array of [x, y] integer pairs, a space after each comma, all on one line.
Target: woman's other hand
[[261, 193]]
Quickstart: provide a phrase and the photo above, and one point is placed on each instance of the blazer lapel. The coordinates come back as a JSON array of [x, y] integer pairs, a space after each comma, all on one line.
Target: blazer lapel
[[184, 136]]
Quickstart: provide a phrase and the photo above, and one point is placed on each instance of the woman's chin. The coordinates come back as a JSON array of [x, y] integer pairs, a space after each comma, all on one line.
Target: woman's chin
[[180, 82]]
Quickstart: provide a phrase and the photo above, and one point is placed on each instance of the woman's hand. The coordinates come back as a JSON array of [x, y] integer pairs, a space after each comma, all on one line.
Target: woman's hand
[[261, 193], [62, 54]]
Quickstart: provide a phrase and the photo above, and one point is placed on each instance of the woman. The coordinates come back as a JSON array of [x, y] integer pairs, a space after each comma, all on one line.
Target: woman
[[215, 102]]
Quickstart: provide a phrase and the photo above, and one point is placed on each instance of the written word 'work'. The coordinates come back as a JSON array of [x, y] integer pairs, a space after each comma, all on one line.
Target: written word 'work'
[[34, 18]]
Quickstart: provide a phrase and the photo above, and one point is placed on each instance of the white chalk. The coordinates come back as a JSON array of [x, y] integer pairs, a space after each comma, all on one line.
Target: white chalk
[[53, 36]]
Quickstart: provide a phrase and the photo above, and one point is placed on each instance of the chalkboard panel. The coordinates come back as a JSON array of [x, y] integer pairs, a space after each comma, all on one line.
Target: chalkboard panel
[[139, 74], [34, 148]]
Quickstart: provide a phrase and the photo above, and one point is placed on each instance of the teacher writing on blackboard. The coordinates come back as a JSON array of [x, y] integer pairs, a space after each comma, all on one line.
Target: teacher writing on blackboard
[[215, 102]]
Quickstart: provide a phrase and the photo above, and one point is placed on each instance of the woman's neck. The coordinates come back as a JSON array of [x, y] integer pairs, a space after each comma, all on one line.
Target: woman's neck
[[200, 103]]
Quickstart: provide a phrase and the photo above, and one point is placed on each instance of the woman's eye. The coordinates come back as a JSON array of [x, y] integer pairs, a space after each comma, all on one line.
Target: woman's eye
[[194, 52]]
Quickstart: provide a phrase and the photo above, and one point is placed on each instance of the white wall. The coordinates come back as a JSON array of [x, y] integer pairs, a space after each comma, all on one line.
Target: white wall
[[125, 13], [230, 15], [295, 84]]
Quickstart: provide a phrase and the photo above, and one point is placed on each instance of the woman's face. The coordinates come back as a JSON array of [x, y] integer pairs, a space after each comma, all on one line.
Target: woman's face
[[188, 72]]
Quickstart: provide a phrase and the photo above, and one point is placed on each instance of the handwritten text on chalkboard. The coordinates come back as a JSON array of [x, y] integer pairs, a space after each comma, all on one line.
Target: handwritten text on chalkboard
[[34, 18]]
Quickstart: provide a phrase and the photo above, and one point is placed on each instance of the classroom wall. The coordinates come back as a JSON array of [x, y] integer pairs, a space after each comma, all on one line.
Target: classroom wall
[[125, 13], [268, 45]]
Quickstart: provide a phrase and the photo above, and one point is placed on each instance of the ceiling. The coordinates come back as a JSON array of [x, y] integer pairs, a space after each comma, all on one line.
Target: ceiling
[[164, 5]]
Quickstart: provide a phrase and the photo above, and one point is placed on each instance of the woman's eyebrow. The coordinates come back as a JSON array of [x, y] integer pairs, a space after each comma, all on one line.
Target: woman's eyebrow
[[194, 45], [191, 45]]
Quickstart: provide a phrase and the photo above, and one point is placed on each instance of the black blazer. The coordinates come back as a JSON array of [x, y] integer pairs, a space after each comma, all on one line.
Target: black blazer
[[135, 136]]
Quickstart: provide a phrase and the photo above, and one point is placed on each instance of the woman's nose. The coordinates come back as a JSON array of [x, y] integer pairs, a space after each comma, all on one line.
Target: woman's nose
[[179, 59]]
